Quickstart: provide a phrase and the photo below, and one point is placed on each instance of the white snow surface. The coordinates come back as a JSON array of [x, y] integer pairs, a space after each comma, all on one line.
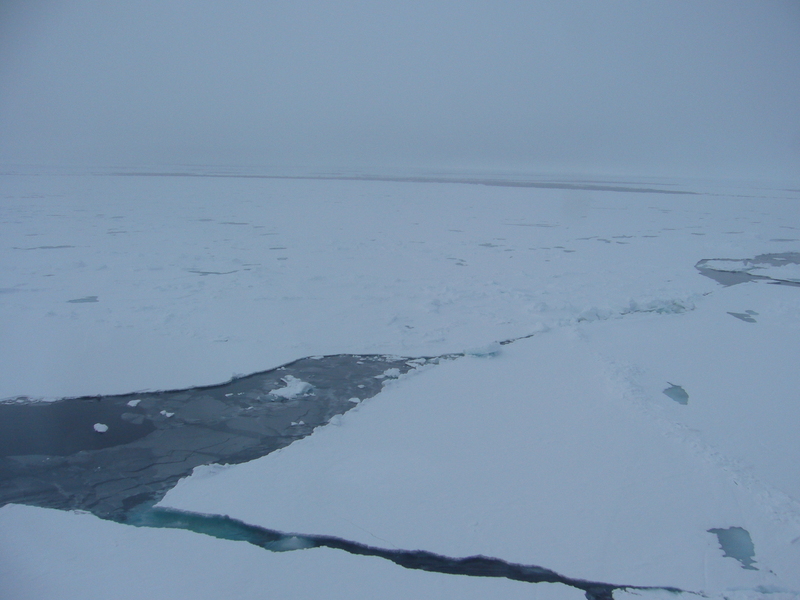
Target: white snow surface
[[199, 279], [559, 449]]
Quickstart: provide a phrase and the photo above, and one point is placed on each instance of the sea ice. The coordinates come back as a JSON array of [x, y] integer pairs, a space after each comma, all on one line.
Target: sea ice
[[562, 451], [294, 387]]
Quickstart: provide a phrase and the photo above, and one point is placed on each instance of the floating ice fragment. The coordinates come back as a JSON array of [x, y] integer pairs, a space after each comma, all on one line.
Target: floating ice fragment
[[167, 414], [294, 387], [134, 402], [288, 544], [392, 373], [100, 427], [677, 393]]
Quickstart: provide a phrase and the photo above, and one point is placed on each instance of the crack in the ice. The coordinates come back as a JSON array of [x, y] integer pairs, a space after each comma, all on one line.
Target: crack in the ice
[[227, 528], [335, 377]]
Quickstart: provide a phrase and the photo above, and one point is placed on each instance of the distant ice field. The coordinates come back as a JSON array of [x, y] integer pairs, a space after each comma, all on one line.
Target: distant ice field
[[117, 284]]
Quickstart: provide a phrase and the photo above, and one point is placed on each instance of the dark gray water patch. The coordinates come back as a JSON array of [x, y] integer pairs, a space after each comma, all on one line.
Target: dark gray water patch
[[83, 300], [747, 317], [53, 457], [737, 543], [551, 185], [224, 527], [67, 426], [44, 247], [677, 393], [740, 267], [204, 273]]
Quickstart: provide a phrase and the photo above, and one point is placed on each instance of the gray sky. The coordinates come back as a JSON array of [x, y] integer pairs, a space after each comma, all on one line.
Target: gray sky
[[683, 87]]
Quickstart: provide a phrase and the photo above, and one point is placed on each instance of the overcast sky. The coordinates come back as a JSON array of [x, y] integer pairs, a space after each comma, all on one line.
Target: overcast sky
[[683, 87]]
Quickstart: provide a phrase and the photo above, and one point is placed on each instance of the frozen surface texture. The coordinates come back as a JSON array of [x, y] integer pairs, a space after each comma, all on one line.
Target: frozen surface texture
[[623, 389]]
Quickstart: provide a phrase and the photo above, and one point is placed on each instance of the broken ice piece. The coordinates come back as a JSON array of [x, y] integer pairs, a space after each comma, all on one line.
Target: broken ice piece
[[395, 372], [294, 387], [100, 427], [167, 414], [133, 402]]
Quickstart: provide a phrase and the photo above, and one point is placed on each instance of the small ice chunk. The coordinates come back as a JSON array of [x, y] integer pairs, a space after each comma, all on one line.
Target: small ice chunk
[[393, 373], [133, 402], [167, 414], [294, 387], [100, 427], [354, 400], [288, 544]]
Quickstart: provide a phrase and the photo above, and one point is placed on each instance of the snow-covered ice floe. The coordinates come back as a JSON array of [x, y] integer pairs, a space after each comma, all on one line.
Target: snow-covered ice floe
[[545, 439]]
